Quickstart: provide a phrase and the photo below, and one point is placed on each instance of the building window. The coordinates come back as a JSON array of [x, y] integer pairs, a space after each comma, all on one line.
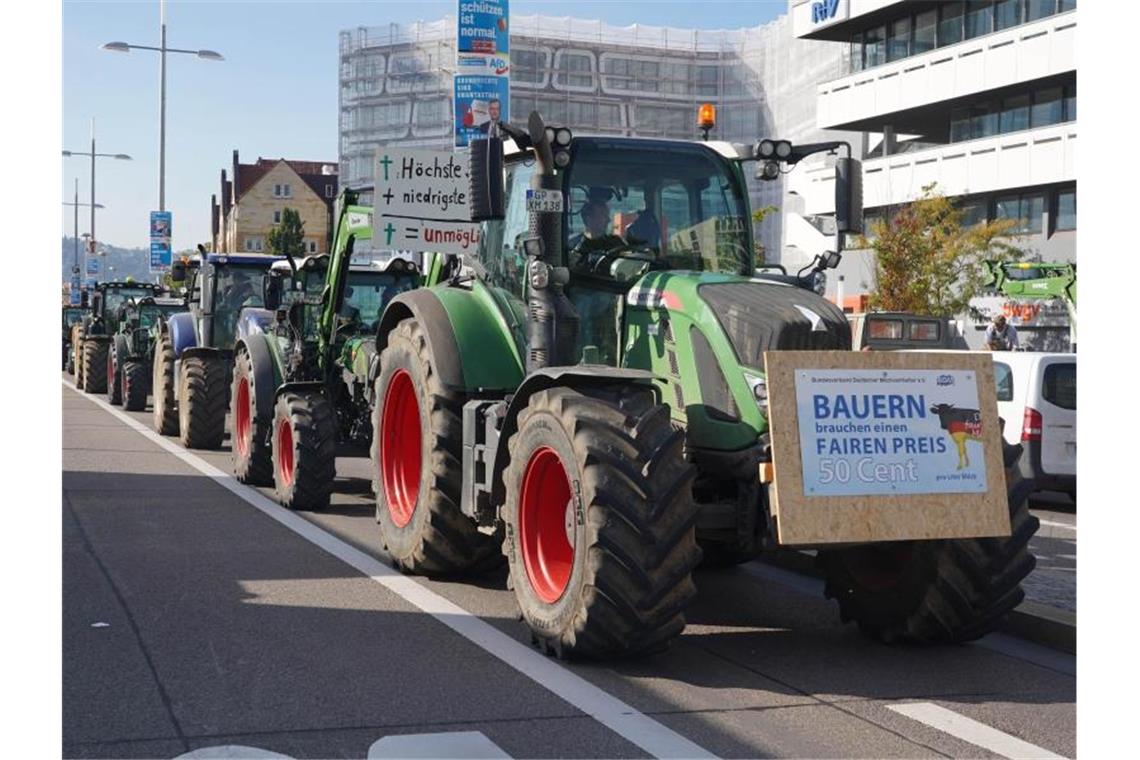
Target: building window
[[1039, 9], [925, 31], [898, 45], [857, 52], [950, 24], [277, 217], [959, 125], [1066, 210], [1007, 13], [979, 19], [973, 212], [254, 244], [282, 191], [1066, 5], [1047, 107], [312, 246], [329, 191], [1071, 102], [875, 47], [575, 70], [1015, 113], [983, 121], [1025, 210]]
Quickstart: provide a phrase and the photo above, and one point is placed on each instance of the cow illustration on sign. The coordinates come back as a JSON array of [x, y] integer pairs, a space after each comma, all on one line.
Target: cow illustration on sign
[[961, 425]]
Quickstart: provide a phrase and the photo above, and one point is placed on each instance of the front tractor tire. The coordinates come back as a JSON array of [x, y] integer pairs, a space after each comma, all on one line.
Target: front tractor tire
[[114, 377], [304, 450], [134, 386], [249, 436], [417, 450], [202, 402], [936, 591], [600, 522], [162, 383], [95, 366]]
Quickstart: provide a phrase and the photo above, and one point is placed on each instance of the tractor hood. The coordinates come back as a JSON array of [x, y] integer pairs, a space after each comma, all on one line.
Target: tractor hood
[[754, 315]]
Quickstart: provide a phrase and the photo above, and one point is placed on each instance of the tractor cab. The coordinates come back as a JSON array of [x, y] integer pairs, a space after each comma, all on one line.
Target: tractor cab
[[141, 319], [108, 300], [219, 287], [73, 315]]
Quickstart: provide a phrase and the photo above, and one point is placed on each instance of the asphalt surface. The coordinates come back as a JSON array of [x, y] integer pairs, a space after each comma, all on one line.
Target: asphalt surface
[[198, 619], [1054, 581]]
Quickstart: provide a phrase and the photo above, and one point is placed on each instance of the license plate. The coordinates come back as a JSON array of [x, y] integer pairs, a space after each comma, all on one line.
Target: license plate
[[547, 201]]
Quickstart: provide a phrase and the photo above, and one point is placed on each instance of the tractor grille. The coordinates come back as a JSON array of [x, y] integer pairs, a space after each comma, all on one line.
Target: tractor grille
[[759, 317]]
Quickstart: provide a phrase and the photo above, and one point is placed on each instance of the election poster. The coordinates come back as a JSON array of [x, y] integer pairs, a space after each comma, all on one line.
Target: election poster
[[482, 68], [421, 202]]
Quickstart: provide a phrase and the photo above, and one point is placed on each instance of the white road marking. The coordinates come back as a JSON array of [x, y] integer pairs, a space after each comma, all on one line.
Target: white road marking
[[1054, 524], [968, 730], [469, 744], [621, 718], [232, 752]]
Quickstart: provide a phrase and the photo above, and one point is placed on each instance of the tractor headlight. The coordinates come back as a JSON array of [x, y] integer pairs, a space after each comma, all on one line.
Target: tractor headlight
[[819, 283], [759, 387]]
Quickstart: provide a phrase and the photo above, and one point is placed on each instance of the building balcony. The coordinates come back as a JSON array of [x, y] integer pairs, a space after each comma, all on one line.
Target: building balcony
[[864, 100], [1028, 158]]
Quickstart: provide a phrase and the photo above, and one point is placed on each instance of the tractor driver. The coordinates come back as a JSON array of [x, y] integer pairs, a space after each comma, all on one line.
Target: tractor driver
[[239, 293], [594, 238]]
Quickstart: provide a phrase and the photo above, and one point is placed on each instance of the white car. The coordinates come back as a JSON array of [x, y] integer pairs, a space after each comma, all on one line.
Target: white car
[[1037, 398]]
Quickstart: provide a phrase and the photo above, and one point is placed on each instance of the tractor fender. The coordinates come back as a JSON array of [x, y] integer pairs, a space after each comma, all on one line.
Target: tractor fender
[[266, 374], [254, 320], [182, 332], [578, 376], [307, 386], [425, 307]]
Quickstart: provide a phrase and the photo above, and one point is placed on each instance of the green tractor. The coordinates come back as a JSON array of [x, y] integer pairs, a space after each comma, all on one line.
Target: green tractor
[[92, 340], [588, 398], [304, 385], [73, 317], [1037, 280], [131, 356]]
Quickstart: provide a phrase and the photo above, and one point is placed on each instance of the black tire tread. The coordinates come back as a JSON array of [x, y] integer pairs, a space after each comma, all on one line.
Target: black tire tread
[[162, 383], [450, 542], [203, 403], [134, 386], [315, 434], [973, 583], [95, 356], [640, 518], [257, 468]]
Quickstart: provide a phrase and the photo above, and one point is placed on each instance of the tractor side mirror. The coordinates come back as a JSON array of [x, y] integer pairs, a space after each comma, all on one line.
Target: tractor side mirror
[[178, 271], [848, 196], [831, 260], [487, 179]]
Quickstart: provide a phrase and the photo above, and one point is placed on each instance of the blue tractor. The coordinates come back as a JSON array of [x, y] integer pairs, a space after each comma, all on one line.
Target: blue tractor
[[193, 359]]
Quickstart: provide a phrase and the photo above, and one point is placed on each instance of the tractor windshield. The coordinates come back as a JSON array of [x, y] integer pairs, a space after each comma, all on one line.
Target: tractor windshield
[[366, 295], [236, 287], [114, 298], [632, 207]]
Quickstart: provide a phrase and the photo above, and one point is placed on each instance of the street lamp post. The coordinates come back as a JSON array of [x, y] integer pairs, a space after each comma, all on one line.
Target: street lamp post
[[162, 49], [75, 229], [93, 154]]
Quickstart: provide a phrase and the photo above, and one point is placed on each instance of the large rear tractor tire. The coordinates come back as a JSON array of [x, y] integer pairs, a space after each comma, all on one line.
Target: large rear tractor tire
[[134, 386], [202, 402], [936, 591], [600, 522], [249, 436], [417, 449], [114, 377], [77, 353], [162, 383], [304, 450], [95, 366]]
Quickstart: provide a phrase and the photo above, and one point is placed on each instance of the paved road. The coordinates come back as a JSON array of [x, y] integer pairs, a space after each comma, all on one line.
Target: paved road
[[198, 615], [1054, 581]]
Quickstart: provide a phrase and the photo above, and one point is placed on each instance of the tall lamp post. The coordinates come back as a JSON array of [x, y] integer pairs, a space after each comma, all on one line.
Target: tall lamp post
[[162, 49], [75, 232], [93, 155]]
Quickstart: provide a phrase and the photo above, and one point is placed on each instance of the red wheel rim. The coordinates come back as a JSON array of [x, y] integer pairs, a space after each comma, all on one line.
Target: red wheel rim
[[243, 427], [401, 448], [285, 452], [546, 525]]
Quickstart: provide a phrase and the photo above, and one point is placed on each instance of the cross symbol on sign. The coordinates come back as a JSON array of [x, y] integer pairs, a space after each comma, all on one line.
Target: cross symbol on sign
[[386, 162], [388, 195], [390, 230]]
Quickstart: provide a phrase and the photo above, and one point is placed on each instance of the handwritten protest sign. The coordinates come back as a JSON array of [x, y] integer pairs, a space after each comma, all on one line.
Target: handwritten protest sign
[[421, 201]]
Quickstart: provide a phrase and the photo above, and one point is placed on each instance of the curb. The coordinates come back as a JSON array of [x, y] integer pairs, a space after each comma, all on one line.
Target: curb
[[1031, 621]]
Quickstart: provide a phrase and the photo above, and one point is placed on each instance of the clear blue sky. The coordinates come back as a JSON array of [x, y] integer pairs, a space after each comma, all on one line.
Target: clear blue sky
[[275, 95]]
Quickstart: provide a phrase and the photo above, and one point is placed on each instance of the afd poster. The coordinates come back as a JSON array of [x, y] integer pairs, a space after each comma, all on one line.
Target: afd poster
[[160, 225], [482, 68], [876, 432]]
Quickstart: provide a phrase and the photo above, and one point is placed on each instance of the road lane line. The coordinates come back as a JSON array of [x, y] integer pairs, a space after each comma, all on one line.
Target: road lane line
[[968, 730], [621, 718]]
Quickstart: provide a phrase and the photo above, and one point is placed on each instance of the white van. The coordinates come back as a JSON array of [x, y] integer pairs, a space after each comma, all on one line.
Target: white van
[[1037, 398]]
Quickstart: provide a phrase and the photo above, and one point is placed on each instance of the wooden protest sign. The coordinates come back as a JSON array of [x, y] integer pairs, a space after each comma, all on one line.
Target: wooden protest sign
[[884, 446]]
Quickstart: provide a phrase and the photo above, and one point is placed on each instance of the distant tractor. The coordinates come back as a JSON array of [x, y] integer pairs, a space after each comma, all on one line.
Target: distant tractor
[[1037, 281], [92, 340], [592, 401], [194, 353], [132, 349], [72, 317], [304, 385]]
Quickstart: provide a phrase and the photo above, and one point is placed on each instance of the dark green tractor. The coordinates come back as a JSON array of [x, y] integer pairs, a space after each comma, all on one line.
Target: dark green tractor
[[93, 340], [591, 400], [131, 356], [303, 385], [72, 318]]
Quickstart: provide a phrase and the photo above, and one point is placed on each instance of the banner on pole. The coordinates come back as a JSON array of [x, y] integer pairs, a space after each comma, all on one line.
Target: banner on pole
[[160, 226]]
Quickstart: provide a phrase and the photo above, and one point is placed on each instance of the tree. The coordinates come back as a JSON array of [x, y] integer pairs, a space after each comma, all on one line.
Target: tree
[[927, 262], [288, 237], [758, 216]]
